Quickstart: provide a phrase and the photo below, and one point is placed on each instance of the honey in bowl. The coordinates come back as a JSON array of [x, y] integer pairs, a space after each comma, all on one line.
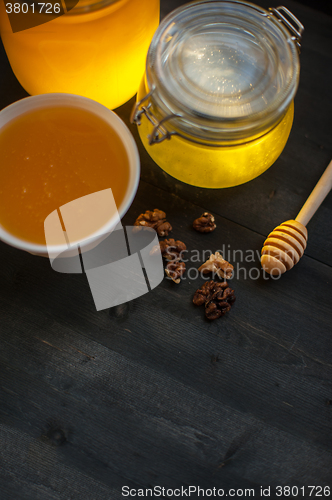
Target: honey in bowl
[[56, 153]]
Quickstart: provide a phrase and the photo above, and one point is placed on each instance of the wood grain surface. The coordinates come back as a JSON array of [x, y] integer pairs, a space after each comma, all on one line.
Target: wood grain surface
[[150, 393]]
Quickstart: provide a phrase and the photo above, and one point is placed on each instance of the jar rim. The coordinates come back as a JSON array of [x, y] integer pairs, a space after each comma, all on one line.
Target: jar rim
[[222, 66]]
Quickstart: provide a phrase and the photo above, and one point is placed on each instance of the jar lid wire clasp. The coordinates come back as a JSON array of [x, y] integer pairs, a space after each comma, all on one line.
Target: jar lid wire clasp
[[159, 132], [137, 113]]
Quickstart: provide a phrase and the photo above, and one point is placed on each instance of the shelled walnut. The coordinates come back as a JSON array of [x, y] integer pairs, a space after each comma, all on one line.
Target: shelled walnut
[[216, 264], [171, 249], [218, 298], [175, 270], [155, 219], [205, 223]]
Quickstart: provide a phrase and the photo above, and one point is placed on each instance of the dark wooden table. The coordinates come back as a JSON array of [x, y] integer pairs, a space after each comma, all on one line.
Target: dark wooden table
[[152, 394]]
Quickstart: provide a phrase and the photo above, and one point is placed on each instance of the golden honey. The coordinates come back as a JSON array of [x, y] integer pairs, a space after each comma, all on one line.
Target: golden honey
[[51, 156], [99, 54], [218, 167]]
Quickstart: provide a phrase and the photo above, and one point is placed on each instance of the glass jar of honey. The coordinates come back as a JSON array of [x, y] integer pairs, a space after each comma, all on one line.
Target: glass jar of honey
[[215, 107], [97, 49]]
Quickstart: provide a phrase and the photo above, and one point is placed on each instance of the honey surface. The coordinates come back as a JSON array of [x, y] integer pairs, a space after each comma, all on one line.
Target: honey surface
[[50, 157]]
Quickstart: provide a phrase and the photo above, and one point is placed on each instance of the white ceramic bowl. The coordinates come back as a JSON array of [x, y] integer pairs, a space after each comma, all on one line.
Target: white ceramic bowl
[[34, 102]]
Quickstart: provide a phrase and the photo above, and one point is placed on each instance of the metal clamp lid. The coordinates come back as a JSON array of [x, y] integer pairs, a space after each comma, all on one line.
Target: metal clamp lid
[[296, 29]]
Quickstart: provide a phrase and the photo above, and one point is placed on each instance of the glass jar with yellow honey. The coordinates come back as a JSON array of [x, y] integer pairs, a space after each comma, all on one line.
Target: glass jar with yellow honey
[[215, 107], [97, 49]]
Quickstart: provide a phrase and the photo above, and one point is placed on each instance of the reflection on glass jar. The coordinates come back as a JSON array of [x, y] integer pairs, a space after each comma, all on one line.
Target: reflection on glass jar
[[96, 50], [215, 107]]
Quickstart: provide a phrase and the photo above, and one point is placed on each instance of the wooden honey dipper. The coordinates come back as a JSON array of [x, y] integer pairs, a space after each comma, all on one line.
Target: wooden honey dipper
[[284, 247]]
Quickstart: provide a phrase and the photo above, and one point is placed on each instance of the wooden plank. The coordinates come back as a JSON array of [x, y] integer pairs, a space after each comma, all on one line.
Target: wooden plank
[[145, 378], [141, 428], [152, 393], [276, 336]]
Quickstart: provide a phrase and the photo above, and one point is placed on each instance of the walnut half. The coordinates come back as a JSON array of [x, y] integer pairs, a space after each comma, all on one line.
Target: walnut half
[[175, 270], [205, 223], [171, 249], [216, 264], [217, 297], [172, 252]]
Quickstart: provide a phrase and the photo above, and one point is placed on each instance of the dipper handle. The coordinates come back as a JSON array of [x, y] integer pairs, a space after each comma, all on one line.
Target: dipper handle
[[317, 196]]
